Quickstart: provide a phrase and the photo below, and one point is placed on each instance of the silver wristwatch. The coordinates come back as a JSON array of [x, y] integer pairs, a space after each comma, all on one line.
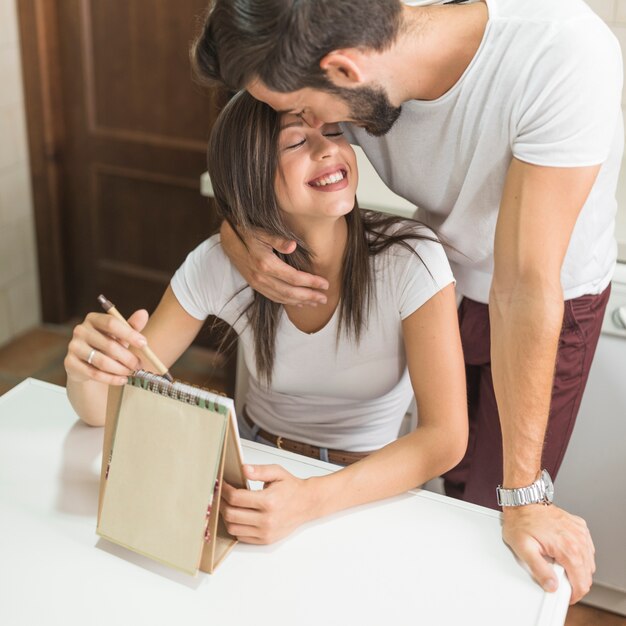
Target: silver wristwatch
[[540, 492]]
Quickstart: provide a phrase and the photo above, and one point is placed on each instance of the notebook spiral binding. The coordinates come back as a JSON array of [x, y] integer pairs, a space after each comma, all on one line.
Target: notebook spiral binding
[[183, 392]]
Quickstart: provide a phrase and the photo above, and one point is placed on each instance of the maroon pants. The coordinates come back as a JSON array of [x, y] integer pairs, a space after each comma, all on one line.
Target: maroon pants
[[475, 478]]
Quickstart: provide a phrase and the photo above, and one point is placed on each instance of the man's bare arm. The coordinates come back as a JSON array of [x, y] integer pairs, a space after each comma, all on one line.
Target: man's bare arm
[[539, 209]]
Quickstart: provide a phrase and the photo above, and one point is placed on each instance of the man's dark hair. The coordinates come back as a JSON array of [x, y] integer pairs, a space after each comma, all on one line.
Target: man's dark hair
[[281, 42]]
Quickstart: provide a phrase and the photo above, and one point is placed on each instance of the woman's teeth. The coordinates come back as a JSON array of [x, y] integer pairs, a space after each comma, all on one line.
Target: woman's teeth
[[328, 180]]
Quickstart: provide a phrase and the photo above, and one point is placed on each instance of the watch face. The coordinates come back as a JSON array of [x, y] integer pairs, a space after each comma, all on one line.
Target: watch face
[[549, 485]]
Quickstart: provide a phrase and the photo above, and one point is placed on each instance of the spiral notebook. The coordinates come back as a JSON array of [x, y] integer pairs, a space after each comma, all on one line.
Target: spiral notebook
[[167, 449]]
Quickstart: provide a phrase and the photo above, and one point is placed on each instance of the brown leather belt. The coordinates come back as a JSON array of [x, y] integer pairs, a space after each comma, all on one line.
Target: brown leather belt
[[339, 457]]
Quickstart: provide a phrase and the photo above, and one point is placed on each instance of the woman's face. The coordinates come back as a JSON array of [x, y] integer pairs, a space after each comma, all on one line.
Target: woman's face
[[317, 172]]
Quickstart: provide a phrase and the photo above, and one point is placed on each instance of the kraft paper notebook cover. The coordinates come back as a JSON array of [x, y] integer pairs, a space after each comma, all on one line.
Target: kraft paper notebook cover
[[167, 449]]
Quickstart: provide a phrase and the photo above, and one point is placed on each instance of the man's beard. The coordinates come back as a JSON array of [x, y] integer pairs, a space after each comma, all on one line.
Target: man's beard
[[370, 108]]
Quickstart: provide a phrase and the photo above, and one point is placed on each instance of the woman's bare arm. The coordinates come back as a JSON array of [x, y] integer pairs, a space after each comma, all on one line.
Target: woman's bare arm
[[435, 360]]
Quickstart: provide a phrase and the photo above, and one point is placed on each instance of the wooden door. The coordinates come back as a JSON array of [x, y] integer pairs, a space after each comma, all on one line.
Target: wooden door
[[118, 131]]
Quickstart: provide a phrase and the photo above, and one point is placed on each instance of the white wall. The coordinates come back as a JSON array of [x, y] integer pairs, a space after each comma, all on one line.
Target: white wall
[[19, 280], [613, 12]]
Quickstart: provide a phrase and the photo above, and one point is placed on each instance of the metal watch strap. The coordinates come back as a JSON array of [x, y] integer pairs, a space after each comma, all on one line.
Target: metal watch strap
[[521, 496], [540, 492]]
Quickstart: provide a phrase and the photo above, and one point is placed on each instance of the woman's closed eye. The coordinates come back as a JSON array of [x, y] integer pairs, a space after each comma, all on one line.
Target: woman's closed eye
[[297, 144], [331, 130]]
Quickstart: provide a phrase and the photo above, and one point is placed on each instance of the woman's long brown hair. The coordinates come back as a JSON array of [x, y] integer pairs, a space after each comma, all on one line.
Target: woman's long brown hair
[[242, 163]]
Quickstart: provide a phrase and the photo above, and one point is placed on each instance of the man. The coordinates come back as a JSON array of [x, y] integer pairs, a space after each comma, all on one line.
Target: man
[[501, 121]]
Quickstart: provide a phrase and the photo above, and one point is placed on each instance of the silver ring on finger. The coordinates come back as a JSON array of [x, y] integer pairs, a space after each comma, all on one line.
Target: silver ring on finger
[[90, 357]]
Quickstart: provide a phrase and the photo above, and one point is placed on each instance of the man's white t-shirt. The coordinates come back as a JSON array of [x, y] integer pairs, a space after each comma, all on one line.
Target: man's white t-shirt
[[335, 394], [545, 87]]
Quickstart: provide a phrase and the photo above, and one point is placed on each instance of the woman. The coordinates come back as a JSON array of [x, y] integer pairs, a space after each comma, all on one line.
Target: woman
[[334, 380]]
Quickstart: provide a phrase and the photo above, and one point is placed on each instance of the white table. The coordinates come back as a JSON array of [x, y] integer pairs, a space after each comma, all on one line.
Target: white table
[[416, 559]]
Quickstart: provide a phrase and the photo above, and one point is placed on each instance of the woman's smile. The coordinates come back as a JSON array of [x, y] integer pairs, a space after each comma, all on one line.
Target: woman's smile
[[332, 179]]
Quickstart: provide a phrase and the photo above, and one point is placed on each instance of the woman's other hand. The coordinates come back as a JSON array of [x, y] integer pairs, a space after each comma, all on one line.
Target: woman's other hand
[[99, 349], [266, 273]]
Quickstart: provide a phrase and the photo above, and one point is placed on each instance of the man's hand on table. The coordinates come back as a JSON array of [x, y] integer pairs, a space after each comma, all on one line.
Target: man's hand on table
[[537, 531]]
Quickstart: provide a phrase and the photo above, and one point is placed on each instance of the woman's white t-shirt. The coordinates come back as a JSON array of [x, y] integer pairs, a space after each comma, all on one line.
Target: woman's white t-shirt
[[325, 391]]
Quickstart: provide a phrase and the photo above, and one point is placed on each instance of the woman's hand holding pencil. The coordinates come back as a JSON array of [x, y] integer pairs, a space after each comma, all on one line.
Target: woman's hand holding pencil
[[100, 348]]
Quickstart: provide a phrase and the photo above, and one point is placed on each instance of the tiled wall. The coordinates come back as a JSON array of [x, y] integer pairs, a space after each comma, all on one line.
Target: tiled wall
[[19, 286]]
